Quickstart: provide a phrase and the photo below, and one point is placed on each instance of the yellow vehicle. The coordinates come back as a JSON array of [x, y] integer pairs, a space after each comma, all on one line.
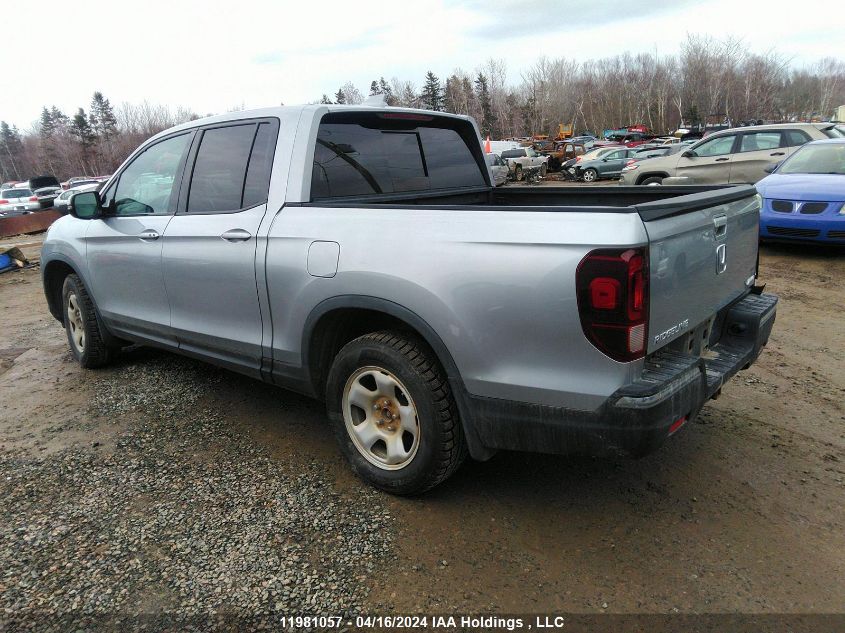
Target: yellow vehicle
[[563, 131]]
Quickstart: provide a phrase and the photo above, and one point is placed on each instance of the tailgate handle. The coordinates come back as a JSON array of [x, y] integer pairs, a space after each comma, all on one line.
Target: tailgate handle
[[720, 223]]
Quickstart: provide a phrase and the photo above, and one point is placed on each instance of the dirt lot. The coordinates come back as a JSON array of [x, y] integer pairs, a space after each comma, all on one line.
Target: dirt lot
[[164, 484]]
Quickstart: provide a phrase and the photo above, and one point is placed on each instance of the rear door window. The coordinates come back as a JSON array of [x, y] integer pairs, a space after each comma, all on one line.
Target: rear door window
[[257, 184], [365, 155], [794, 138], [217, 183], [759, 141]]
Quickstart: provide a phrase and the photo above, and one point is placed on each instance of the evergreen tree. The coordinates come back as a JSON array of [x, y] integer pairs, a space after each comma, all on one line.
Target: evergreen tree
[[101, 118], [47, 124], [488, 119], [374, 88], [432, 94], [80, 127], [60, 120], [325, 99], [11, 148], [339, 97]]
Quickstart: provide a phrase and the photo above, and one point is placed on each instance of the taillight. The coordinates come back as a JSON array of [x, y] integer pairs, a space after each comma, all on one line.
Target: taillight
[[4, 202], [34, 199], [612, 288], [578, 159]]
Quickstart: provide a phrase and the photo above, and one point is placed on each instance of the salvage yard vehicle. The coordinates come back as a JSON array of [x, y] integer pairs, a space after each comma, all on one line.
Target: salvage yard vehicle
[[736, 155], [607, 165], [498, 169], [559, 152], [18, 200], [361, 255], [804, 197], [520, 159], [62, 201]]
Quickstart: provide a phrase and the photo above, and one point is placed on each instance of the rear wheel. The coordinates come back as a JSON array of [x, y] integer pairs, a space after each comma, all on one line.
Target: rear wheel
[[393, 413], [652, 180], [81, 326], [517, 173], [590, 175]]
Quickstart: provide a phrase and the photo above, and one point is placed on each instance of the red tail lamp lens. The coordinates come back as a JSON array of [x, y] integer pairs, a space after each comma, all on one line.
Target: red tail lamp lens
[[604, 293], [612, 288]]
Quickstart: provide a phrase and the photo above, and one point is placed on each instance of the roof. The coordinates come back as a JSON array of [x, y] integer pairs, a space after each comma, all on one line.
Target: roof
[[289, 112]]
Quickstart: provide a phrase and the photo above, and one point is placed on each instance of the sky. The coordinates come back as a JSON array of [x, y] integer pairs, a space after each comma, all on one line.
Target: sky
[[214, 56]]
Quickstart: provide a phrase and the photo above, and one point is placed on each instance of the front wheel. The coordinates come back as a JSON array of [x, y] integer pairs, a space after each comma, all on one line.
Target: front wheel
[[543, 170], [81, 326], [590, 175], [393, 413], [653, 181], [517, 173]]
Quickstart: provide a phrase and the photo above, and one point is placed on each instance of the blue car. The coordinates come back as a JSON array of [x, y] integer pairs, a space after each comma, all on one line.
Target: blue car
[[804, 197]]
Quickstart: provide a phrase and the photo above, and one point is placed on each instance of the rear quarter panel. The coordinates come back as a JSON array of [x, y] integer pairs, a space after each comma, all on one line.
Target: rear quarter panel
[[498, 287]]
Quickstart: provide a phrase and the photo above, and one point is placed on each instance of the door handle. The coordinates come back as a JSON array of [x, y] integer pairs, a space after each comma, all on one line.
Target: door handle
[[719, 160], [720, 226], [149, 235], [236, 235], [777, 154]]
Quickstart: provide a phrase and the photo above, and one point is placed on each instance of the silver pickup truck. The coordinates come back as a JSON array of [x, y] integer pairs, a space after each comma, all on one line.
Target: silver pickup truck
[[360, 255]]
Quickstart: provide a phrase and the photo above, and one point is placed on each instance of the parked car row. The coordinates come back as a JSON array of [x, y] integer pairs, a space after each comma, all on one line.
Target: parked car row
[[733, 156]]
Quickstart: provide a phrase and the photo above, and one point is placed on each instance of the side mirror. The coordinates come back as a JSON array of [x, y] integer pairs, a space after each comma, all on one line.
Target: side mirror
[[770, 169], [85, 205], [689, 154]]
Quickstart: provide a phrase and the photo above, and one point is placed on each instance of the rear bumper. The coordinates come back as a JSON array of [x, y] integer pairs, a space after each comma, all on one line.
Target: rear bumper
[[638, 417]]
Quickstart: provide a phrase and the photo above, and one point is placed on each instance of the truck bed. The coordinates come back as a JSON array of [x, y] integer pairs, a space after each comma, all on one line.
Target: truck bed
[[650, 202]]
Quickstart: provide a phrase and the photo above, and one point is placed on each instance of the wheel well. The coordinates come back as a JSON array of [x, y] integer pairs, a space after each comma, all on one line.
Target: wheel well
[[659, 174], [340, 326], [54, 278]]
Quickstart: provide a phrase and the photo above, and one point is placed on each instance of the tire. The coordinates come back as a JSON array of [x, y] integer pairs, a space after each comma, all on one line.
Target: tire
[[517, 173], [390, 387], [652, 180], [543, 170], [81, 326], [590, 175]]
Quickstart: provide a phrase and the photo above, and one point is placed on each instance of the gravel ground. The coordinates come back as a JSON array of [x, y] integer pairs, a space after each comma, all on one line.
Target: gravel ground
[[184, 516], [163, 488]]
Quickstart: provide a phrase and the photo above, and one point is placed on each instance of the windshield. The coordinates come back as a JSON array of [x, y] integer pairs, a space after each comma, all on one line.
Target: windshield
[[825, 158], [16, 193]]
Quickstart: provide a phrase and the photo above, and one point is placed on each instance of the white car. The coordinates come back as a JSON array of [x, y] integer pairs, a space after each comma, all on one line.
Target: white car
[[18, 201], [498, 169], [61, 203]]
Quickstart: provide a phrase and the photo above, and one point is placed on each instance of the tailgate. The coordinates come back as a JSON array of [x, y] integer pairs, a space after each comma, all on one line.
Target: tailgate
[[702, 256]]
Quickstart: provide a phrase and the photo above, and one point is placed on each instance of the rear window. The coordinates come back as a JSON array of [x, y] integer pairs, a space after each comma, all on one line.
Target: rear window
[[513, 153], [834, 131], [362, 154], [16, 193]]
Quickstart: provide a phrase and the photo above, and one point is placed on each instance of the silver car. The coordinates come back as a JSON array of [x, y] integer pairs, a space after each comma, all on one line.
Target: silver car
[[498, 169], [61, 203], [17, 201]]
